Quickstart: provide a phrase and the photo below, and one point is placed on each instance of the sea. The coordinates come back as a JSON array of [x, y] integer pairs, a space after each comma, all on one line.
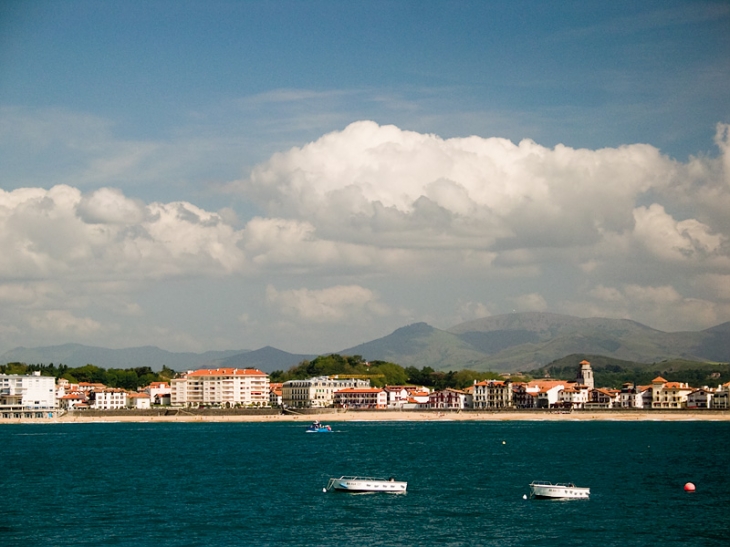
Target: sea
[[259, 484]]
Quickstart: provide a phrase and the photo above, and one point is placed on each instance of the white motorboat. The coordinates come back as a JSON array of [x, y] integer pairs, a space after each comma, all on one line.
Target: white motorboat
[[366, 484], [548, 490]]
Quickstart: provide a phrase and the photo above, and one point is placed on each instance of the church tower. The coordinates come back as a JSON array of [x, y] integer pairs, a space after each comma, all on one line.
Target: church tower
[[585, 375]]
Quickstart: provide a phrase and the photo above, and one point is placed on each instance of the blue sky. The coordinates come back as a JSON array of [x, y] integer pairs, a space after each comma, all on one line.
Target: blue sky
[[335, 170]]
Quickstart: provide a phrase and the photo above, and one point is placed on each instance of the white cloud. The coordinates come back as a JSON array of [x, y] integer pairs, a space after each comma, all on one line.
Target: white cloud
[[469, 192], [62, 234], [110, 206], [437, 228], [671, 240]]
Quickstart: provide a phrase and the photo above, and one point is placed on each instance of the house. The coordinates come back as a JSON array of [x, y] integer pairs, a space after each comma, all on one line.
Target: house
[[449, 398], [108, 399], [721, 399], [397, 396], [225, 387], [524, 395], [275, 394], [138, 400], [700, 398], [603, 398], [160, 393], [73, 401], [417, 399], [631, 396], [361, 397], [492, 394], [547, 392], [669, 394], [573, 396]]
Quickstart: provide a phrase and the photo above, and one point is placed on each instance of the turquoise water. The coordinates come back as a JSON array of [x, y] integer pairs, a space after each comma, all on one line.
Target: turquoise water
[[207, 484]]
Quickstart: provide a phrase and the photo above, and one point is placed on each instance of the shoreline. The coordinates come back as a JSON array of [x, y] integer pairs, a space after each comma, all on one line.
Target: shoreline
[[388, 416]]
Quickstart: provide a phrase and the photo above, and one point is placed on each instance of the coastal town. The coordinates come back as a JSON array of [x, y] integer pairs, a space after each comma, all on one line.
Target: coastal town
[[41, 397]]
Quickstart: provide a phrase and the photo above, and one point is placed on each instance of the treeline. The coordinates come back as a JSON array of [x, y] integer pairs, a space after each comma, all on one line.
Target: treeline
[[380, 373], [614, 373], [130, 378]]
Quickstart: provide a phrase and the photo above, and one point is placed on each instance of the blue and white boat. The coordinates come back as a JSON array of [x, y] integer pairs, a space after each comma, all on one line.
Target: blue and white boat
[[317, 427]]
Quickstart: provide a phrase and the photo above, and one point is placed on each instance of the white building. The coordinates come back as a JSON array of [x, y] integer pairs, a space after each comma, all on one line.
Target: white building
[[700, 398], [139, 401], [29, 392], [669, 394], [226, 387], [573, 396], [275, 395], [548, 392], [160, 393], [317, 392], [397, 396], [108, 399], [721, 399]]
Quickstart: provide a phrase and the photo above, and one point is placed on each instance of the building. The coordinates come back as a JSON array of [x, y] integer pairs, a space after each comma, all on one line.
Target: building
[[318, 392], [603, 398], [721, 399], [492, 394], [573, 396], [361, 397], [139, 401], [224, 387], [449, 398], [669, 394], [397, 396], [547, 392], [275, 395], [700, 398], [160, 393], [108, 399], [585, 375], [27, 396], [631, 396]]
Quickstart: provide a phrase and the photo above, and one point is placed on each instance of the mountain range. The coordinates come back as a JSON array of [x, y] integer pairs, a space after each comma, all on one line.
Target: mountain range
[[503, 343]]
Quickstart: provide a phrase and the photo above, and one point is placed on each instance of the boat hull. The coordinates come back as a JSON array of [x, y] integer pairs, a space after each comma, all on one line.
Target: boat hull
[[558, 491], [365, 484]]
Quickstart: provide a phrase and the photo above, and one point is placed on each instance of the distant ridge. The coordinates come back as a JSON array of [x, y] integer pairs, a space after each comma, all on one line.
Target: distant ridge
[[516, 342], [77, 355], [266, 359]]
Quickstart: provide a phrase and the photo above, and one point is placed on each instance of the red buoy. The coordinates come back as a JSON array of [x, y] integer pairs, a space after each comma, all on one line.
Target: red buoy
[[689, 487]]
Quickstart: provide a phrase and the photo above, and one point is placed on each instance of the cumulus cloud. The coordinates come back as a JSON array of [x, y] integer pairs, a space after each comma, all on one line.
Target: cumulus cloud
[[62, 234], [462, 223], [383, 183]]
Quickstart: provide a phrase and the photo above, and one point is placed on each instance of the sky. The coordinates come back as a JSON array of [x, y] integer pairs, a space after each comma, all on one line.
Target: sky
[[312, 175]]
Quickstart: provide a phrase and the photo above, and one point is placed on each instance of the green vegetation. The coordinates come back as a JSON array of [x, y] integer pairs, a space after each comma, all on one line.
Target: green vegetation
[[380, 373], [610, 372], [131, 379]]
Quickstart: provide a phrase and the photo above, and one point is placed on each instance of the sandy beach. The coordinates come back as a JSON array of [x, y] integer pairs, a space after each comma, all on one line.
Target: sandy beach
[[388, 415]]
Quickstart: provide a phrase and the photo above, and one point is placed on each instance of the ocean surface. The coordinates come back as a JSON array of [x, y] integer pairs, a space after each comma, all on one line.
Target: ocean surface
[[220, 484]]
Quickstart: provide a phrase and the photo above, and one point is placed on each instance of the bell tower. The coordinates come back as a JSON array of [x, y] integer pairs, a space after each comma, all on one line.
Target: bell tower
[[585, 374]]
